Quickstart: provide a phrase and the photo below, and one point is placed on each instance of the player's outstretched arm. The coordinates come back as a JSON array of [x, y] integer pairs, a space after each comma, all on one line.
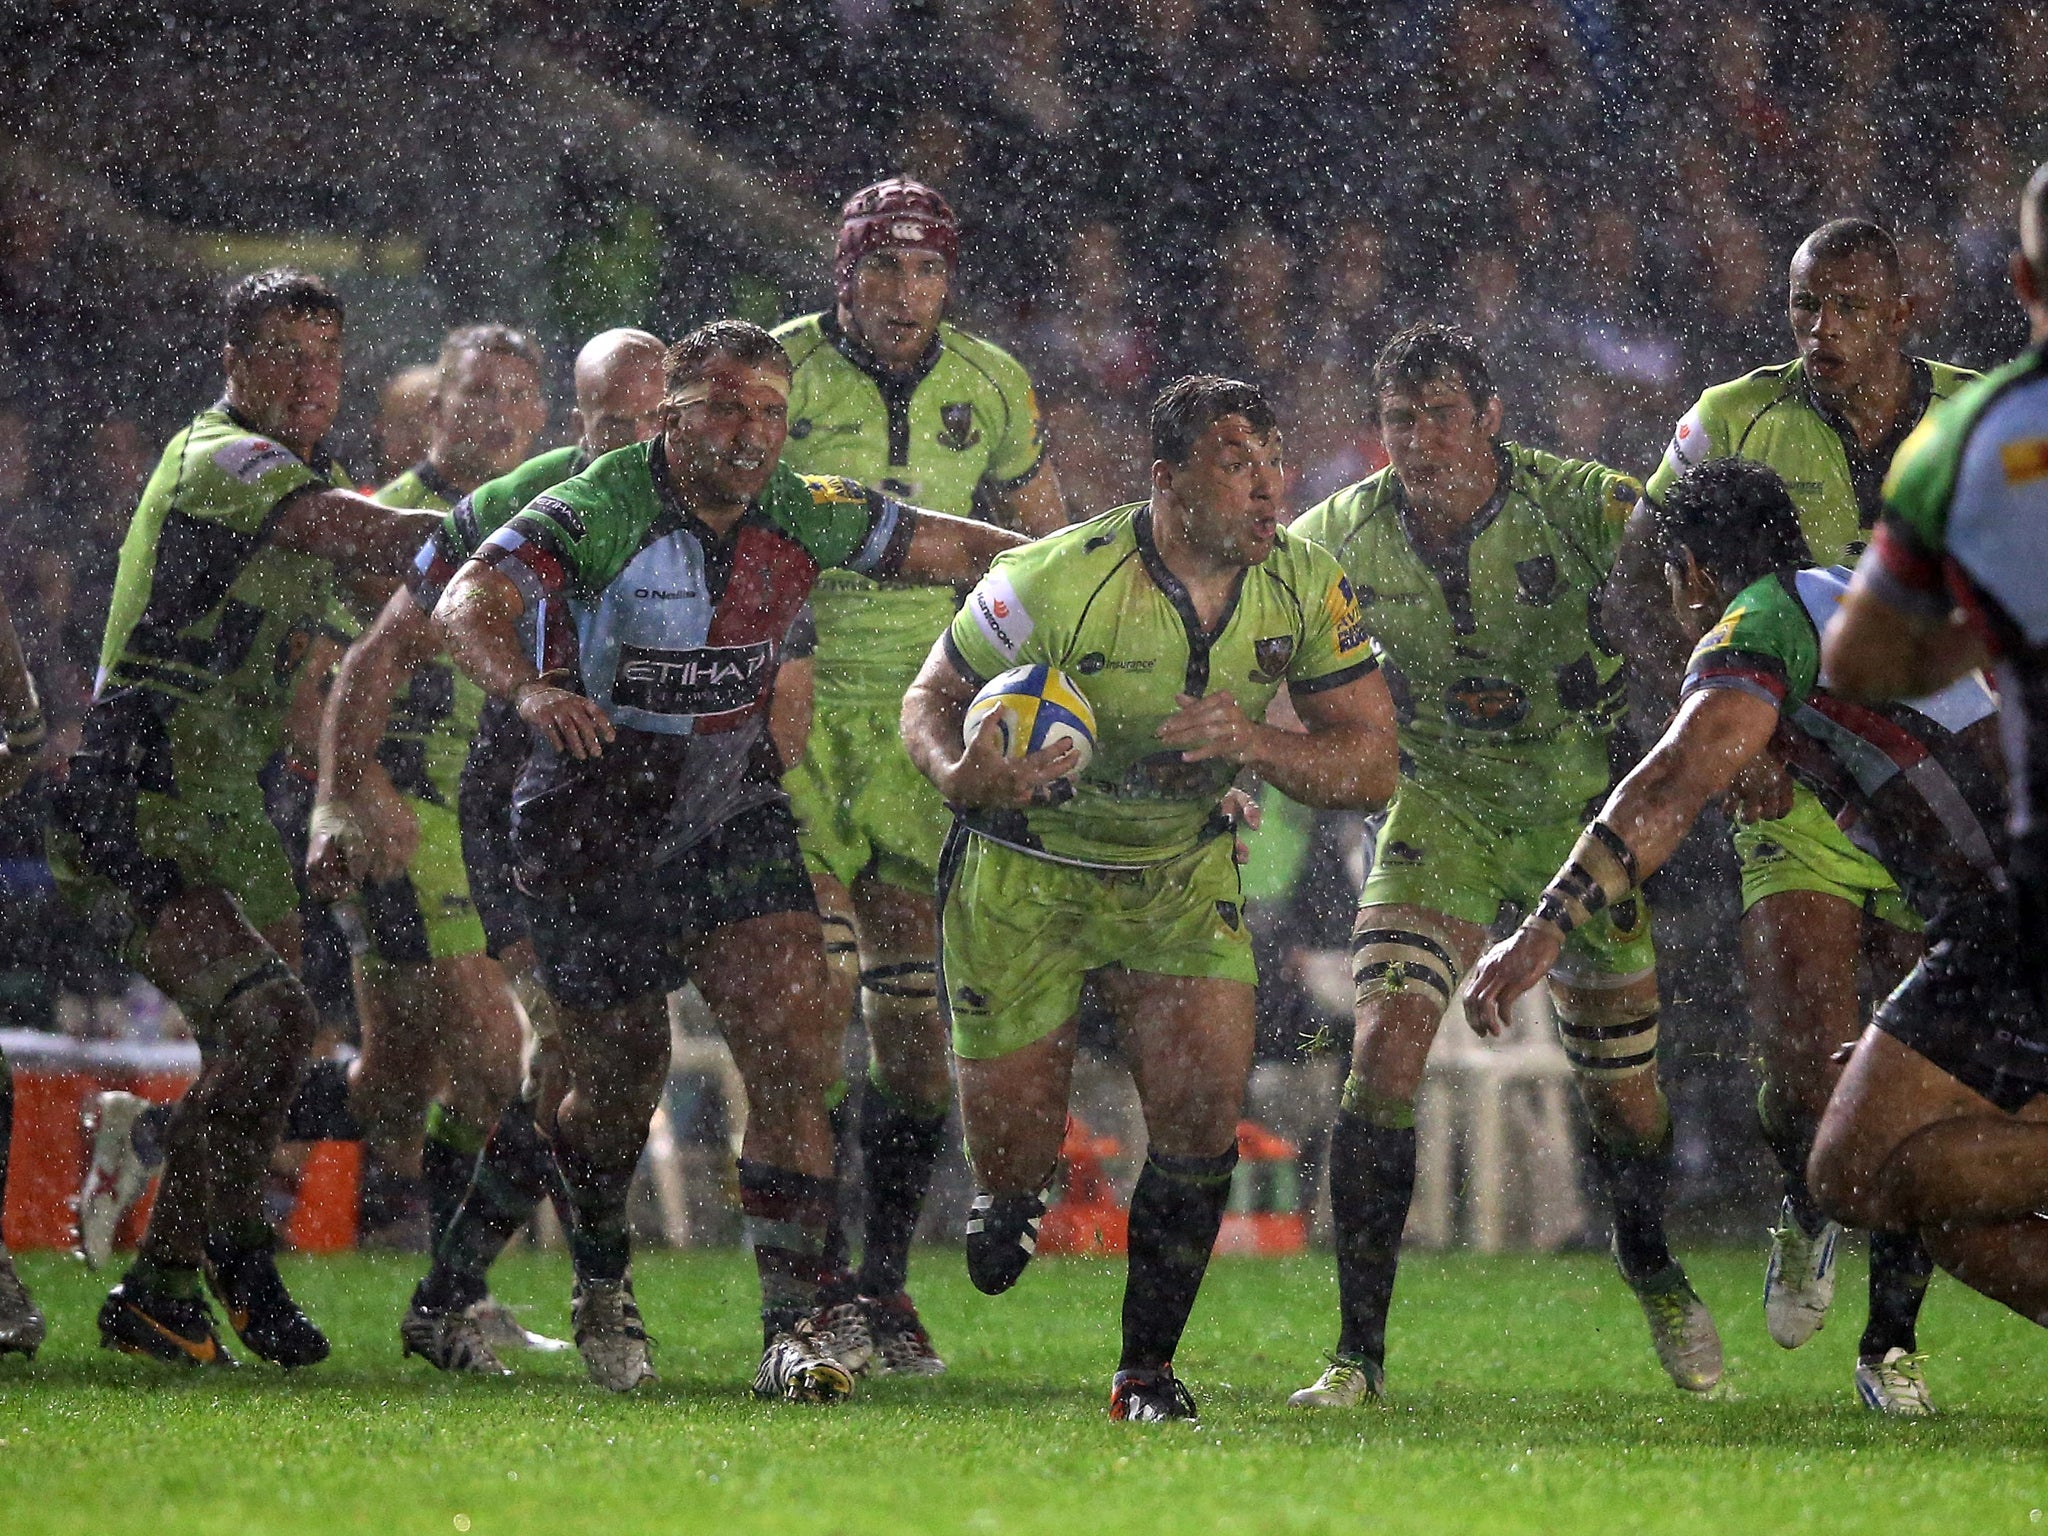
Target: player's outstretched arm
[[361, 826], [477, 620], [953, 551], [1344, 758], [1718, 731], [973, 775], [1877, 649], [356, 533]]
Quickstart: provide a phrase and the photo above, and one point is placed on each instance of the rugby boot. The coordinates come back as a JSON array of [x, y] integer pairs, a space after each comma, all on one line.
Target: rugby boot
[[902, 1347], [796, 1368], [841, 1331], [1151, 1397], [449, 1341], [21, 1323], [259, 1308], [1002, 1235], [610, 1336], [1894, 1385], [115, 1176], [175, 1329], [1799, 1280], [502, 1329], [1681, 1330], [1348, 1381]]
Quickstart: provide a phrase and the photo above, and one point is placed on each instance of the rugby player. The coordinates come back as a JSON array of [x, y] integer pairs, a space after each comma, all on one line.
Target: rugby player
[[396, 731], [886, 391], [160, 834], [1829, 423], [1939, 1124], [22, 732], [1920, 779], [1478, 563], [1182, 618], [650, 836]]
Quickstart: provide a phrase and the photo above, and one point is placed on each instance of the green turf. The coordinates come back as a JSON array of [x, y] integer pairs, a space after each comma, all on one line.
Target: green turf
[[1525, 1400]]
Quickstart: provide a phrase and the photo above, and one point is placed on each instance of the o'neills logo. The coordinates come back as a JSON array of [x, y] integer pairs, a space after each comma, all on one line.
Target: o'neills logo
[[710, 680]]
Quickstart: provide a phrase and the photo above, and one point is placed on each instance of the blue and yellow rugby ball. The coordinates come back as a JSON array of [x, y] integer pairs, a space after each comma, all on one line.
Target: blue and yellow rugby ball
[[1033, 708]]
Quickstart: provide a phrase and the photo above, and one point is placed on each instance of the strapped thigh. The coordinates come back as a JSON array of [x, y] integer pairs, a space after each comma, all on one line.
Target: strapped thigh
[[1605, 1032], [1404, 959]]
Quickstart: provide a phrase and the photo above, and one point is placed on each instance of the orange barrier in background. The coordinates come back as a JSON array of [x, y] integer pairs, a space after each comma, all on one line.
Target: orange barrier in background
[[1264, 1215]]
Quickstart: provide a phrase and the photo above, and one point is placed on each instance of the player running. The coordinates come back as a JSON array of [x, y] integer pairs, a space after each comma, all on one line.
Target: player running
[[1938, 1121], [889, 393], [1182, 618], [650, 835], [160, 833], [1813, 903], [1478, 563], [1919, 780], [22, 730]]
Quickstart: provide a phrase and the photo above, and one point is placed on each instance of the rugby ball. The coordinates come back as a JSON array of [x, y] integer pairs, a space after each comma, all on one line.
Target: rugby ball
[[1032, 708]]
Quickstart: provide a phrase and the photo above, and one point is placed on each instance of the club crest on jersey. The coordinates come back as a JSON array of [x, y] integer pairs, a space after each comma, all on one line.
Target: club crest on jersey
[[800, 429], [956, 426], [1272, 656], [1485, 704]]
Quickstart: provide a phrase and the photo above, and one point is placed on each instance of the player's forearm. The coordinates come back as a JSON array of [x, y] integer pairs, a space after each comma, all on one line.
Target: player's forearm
[[931, 725], [1655, 806], [952, 551], [1336, 768], [477, 621], [358, 710]]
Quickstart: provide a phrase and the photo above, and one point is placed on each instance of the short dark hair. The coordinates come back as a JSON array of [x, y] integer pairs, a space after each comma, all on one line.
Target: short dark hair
[[1737, 521], [1839, 238], [741, 340], [1194, 403], [491, 339], [276, 290], [1421, 352]]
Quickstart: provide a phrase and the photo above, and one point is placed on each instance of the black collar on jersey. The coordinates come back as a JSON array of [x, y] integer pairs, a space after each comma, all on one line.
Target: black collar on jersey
[[1451, 564], [434, 481], [895, 388], [320, 461], [1199, 639], [1867, 470], [676, 518]]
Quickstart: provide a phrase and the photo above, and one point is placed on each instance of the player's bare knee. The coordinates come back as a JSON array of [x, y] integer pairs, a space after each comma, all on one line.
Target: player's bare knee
[[900, 1006], [1847, 1183]]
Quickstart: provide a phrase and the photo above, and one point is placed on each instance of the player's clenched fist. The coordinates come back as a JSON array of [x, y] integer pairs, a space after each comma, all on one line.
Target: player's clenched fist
[[1212, 726], [571, 723], [983, 778]]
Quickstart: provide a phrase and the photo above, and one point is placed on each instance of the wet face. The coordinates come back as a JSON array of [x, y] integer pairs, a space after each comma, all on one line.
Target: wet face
[[725, 430], [625, 408], [1849, 318], [287, 381], [1695, 599], [1229, 491], [895, 303], [487, 416], [1440, 443]]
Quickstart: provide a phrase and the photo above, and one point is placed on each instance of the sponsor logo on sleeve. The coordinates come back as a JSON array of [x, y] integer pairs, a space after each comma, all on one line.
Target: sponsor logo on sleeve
[[1689, 447], [1000, 615], [1342, 603], [561, 514], [249, 459], [834, 490], [2024, 460]]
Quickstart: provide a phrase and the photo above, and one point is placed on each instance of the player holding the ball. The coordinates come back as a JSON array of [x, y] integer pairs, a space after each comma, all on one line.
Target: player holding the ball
[[1178, 620]]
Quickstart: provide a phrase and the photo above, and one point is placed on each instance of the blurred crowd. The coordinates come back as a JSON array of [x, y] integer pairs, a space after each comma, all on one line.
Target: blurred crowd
[[1605, 192]]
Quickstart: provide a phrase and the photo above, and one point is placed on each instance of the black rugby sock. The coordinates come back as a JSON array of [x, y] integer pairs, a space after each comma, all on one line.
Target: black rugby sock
[[837, 1250], [1900, 1268], [1792, 1145], [1175, 1213], [1372, 1182], [319, 1110], [1637, 1177], [600, 1246], [516, 1169], [899, 1147], [447, 1160]]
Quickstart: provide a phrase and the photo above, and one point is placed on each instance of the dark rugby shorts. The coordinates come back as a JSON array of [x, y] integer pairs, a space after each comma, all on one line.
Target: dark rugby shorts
[[1969, 1007]]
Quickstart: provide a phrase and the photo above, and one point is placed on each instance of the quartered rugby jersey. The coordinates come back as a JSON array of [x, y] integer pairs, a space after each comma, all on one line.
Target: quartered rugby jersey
[[1506, 690], [1098, 602], [1967, 525], [1771, 416], [1913, 784], [207, 610], [962, 421], [675, 630]]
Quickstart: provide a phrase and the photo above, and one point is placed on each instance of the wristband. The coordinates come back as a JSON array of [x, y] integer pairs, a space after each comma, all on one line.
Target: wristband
[[1600, 872], [558, 678]]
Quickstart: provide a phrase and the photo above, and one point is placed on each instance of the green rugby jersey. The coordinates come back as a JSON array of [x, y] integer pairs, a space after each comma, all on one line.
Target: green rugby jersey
[[963, 422], [1911, 782], [1505, 688], [435, 714], [1772, 417], [206, 608], [1096, 601]]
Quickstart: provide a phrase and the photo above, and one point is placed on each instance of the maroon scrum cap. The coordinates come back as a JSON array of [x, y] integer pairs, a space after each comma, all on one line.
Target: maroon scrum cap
[[896, 212]]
